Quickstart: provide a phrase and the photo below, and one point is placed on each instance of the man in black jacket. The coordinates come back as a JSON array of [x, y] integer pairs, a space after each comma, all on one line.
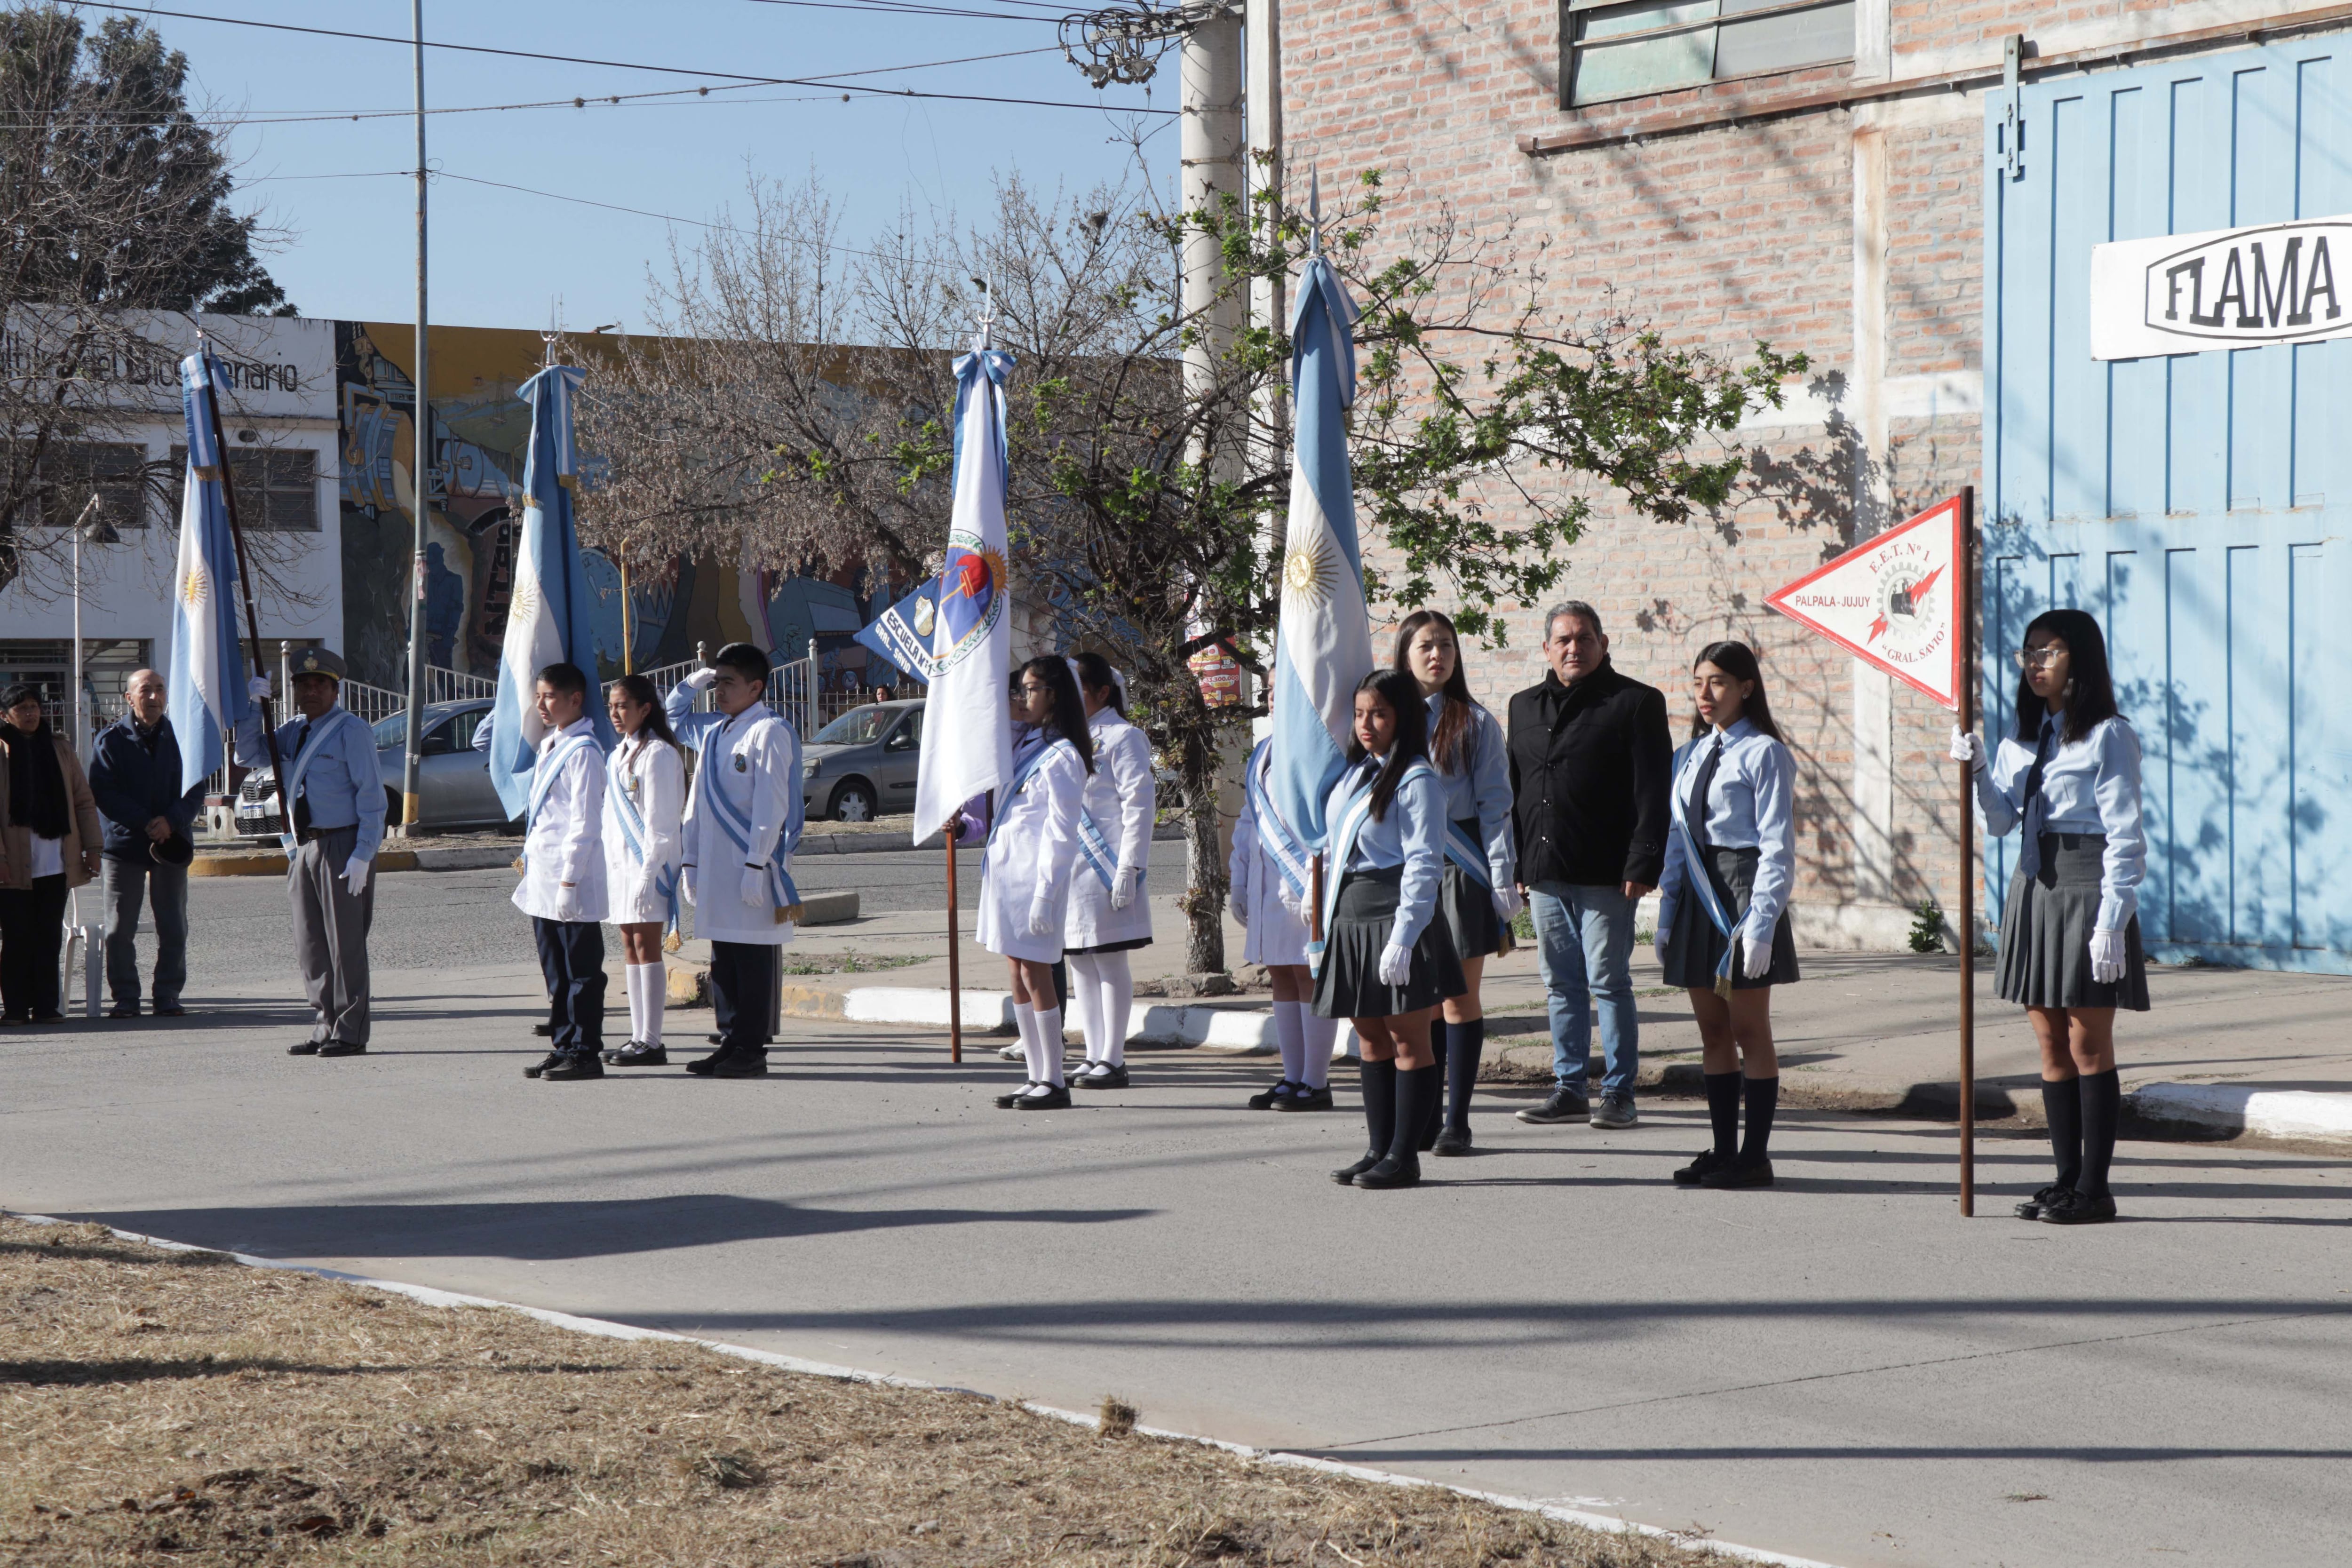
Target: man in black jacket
[[134, 772], [1590, 764]]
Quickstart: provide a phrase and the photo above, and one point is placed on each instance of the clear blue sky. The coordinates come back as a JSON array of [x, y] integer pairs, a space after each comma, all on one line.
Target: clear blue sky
[[504, 258]]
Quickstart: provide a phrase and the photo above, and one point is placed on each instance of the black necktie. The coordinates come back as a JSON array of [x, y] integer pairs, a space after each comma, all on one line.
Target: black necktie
[[1702, 790], [301, 808]]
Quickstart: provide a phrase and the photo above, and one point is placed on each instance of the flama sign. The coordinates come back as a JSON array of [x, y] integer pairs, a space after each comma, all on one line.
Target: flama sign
[[2228, 287]]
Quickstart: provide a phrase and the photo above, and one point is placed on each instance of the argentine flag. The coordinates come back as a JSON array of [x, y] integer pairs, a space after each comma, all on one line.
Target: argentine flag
[[1323, 645], [967, 732], [205, 682], [548, 618]]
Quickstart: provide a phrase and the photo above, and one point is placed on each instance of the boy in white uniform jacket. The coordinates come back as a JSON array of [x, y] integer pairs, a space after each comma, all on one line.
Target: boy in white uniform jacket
[[742, 823], [562, 887]]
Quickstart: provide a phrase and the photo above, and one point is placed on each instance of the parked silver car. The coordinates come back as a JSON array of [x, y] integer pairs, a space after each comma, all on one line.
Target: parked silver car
[[863, 763], [453, 779]]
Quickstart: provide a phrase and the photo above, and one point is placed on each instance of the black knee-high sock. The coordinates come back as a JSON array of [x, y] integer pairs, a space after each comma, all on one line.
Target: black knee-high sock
[[1723, 1110], [1434, 1112], [1465, 1043], [1763, 1099], [2062, 1103], [1378, 1080], [1416, 1104], [2103, 1108]]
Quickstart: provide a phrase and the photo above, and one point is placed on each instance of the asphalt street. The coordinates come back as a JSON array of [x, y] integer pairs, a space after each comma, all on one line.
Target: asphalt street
[[1839, 1368], [426, 920]]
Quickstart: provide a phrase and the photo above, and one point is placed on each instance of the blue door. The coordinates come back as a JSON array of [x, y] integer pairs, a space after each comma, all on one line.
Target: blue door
[[2196, 504]]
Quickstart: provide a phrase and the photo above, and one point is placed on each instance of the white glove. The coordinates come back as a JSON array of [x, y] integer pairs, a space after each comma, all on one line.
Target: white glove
[[1237, 901], [1122, 886], [2106, 956], [1967, 748], [755, 886], [1507, 903], [1756, 955], [355, 874], [1041, 918], [700, 678], [685, 883], [257, 689], [1396, 965]]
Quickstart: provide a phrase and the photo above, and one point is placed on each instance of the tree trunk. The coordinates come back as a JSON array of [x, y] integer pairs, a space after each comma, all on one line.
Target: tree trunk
[[1204, 902]]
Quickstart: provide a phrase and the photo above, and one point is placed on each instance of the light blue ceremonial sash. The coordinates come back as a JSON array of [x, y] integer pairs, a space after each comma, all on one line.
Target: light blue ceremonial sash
[[1022, 771], [633, 831], [543, 778], [736, 826], [1343, 844], [1469, 854], [1096, 848], [291, 788], [1282, 845], [1701, 877]]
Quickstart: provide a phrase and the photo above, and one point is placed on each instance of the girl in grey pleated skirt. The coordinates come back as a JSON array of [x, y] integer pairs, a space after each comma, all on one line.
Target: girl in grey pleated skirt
[[2045, 932]]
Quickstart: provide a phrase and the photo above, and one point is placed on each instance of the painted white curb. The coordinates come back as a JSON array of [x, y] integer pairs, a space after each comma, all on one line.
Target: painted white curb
[[2250, 1107], [603, 1328], [1240, 1031]]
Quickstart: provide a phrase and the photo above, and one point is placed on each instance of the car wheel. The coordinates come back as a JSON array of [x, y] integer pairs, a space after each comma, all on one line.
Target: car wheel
[[393, 806], [853, 802]]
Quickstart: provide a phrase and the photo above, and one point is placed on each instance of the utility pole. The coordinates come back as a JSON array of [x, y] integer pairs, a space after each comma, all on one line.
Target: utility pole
[[1262, 37], [420, 467], [1210, 73]]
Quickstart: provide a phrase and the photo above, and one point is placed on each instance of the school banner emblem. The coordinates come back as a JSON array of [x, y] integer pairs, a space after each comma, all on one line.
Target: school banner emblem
[[2223, 289], [1894, 601]]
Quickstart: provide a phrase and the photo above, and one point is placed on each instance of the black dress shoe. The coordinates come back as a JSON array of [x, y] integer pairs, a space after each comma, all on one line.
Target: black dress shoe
[[1346, 1174], [2071, 1207], [742, 1063], [342, 1048], [1102, 1076], [1267, 1098], [637, 1054], [1004, 1101], [1392, 1173], [1302, 1098], [1737, 1175], [125, 1010], [702, 1066], [2031, 1207], [48, 1017], [1690, 1176], [170, 1010], [1055, 1098], [571, 1066], [303, 1048], [541, 1066], [1453, 1141]]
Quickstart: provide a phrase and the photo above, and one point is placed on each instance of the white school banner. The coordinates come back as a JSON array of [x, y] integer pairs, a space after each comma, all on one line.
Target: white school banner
[[1894, 601], [2224, 289]]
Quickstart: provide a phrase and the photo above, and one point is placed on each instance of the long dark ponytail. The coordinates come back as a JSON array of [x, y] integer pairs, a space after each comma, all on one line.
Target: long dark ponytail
[[2090, 697], [1068, 719], [1738, 660], [1402, 692], [1453, 731]]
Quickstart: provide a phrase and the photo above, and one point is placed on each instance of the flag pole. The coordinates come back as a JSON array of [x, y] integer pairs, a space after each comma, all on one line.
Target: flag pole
[[955, 956], [1965, 621], [245, 583]]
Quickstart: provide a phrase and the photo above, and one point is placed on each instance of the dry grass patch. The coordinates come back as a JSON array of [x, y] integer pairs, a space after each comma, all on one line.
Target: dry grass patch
[[173, 1407]]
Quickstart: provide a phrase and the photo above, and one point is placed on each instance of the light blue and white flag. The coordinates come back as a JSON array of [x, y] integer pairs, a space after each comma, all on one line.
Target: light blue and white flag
[[550, 618], [902, 634], [205, 684], [967, 730], [1323, 645]]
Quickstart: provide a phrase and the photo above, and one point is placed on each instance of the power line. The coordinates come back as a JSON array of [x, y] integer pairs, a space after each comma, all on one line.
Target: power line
[[832, 82]]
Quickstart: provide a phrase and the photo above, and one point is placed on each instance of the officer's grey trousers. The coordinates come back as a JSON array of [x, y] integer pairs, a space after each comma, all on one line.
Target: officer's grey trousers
[[331, 933]]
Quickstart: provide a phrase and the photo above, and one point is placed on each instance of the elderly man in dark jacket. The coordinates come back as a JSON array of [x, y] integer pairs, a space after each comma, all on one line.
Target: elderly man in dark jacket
[[134, 772], [1590, 765]]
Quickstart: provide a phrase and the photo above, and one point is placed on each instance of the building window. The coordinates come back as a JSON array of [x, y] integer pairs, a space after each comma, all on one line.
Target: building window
[[1629, 49], [275, 488], [70, 471]]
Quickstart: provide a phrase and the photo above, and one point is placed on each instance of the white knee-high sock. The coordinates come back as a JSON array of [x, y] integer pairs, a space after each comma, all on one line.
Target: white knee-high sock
[[1049, 1031], [629, 985], [1115, 1002], [1085, 1010], [1290, 1033], [651, 995], [1024, 1024], [1316, 1052]]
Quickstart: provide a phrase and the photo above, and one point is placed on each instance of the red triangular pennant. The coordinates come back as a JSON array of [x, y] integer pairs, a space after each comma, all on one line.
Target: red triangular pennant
[[1893, 601]]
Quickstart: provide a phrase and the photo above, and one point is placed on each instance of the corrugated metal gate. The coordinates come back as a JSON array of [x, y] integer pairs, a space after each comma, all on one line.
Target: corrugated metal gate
[[2196, 504]]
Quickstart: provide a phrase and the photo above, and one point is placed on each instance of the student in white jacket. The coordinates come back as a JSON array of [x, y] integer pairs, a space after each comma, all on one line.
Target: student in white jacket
[[562, 887], [1109, 912], [742, 823], [645, 806], [1025, 875]]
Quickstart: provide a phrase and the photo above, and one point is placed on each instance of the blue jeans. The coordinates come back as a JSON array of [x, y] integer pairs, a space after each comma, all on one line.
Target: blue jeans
[[1584, 941]]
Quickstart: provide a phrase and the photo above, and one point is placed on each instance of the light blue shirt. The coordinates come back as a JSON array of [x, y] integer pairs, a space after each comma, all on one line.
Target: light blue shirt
[[1480, 791], [341, 783], [2090, 786], [1412, 835], [1750, 805]]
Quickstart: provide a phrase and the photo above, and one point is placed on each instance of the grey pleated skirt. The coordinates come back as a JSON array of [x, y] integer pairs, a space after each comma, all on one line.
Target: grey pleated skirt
[[2045, 932], [1467, 912], [1693, 947], [1348, 985]]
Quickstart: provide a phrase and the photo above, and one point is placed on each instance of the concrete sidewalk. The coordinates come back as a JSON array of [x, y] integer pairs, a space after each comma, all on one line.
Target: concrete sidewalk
[[2223, 1052]]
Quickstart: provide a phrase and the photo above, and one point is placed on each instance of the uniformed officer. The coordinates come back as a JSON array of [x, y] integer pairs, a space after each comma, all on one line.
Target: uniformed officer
[[336, 799]]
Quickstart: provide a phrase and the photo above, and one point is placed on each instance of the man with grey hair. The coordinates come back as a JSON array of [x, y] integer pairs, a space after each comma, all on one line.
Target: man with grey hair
[[134, 772], [1590, 764]]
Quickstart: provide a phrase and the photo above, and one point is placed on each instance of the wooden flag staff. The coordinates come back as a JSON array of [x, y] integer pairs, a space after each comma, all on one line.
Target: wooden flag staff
[[955, 958], [245, 583], [1964, 624]]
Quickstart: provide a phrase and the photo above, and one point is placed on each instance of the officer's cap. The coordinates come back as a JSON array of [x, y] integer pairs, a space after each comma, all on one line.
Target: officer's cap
[[319, 661]]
